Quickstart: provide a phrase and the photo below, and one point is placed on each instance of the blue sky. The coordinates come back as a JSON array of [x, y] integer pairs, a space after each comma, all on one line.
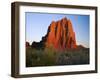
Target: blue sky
[[37, 25]]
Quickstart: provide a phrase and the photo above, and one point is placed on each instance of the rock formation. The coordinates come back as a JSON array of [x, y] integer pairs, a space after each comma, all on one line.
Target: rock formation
[[60, 35], [27, 44]]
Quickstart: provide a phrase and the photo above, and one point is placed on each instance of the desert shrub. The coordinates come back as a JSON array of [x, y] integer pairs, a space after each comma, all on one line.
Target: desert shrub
[[33, 57], [73, 57], [39, 57], [50, 57]]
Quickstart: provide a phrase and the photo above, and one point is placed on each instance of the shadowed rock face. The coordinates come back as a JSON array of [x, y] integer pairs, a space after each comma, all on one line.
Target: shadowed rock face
[[60, 35], [27, 44]]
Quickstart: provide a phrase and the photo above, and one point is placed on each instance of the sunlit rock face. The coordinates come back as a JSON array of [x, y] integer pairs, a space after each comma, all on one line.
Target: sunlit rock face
[[60, 35]]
